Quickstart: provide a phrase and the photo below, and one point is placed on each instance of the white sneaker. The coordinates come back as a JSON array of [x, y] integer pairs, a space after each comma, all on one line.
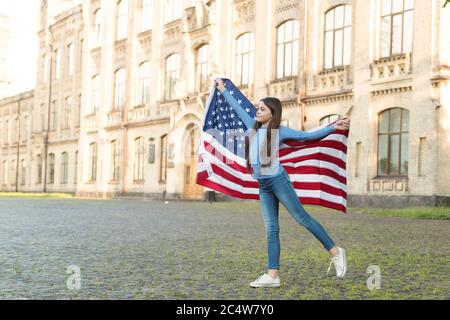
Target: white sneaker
[[265, 281], [340, 263]]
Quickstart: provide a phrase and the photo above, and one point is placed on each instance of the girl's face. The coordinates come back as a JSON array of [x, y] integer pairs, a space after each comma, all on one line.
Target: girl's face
[[263, 114]]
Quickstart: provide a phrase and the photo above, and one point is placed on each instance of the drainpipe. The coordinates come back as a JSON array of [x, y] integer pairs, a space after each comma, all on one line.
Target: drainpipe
[[302, 93], [18, 144], [126, 107], [50, 80]]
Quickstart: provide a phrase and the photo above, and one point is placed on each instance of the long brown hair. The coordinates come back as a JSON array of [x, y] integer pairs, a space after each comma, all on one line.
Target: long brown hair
[[274, 105]]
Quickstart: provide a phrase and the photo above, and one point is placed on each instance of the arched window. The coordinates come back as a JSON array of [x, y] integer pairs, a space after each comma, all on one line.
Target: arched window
[[288, 43], [338, 36], [393, 127], [397, 23], [328, 119], [143, 92], [64, 168], [202, 69], [122, 20], [245, 58], [119, 89], [172, 75], [139, 158]]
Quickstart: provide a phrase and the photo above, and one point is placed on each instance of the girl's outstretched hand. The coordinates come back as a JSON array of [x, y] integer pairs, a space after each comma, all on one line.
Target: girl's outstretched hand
[[342, 124], [219, 84]]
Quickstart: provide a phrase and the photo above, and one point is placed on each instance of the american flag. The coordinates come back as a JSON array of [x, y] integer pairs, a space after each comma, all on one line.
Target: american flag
[[317, 168]]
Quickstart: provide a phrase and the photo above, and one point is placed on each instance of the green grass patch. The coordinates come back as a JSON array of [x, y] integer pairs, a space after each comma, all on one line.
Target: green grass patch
[[438, 213], [36, 195]]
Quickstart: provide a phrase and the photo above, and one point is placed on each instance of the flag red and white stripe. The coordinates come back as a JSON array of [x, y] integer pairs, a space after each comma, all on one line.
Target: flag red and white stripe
[[316, 168]]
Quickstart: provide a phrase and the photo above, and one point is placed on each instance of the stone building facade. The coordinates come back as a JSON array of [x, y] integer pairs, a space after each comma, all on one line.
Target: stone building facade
[[122, 86]]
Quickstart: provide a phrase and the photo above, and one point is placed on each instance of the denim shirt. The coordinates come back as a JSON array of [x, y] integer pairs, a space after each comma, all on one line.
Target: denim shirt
[[284, 133]]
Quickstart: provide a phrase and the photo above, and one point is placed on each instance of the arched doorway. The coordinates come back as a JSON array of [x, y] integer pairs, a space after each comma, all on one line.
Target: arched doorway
[[192, 142]]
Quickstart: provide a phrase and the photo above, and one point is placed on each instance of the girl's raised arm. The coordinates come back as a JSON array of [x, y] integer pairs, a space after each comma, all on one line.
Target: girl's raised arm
[[243, 115], [288, 133]]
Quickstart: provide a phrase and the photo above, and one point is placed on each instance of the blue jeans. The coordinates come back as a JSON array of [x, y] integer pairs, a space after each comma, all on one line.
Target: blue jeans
[[277, 189]]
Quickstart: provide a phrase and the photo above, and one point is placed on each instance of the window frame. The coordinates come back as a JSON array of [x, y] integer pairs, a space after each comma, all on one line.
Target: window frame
[[400, 134], [334, 30], [391, 28], [294, 42], [242, 55]]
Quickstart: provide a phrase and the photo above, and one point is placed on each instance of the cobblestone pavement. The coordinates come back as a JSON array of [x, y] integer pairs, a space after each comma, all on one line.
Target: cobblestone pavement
[[195, 250]]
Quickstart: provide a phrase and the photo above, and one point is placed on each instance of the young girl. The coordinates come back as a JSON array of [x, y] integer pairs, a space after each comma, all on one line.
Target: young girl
[[274, 182]]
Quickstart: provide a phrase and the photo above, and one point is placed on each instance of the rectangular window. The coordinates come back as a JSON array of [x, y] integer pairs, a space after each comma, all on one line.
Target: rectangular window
[[146, 15], [163, 160], [5, 172], [66, 113], [71, 61], [151, 153], [122, 20], [51, 168], [93, 162], [97, 28], [173, 10], [53, 115], [397, 24], [120, 89], [57, 64], [38, 169], [46, 68], [23, 172], [420, 164], [95, 105], [13, 172], [75, 176], [115, 161], [143, 89], [64, 168], [358, 159], [139, 156]]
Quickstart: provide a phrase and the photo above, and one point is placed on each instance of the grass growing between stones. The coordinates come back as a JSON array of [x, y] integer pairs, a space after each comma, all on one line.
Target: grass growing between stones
[[197, 250], [36, 195]]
